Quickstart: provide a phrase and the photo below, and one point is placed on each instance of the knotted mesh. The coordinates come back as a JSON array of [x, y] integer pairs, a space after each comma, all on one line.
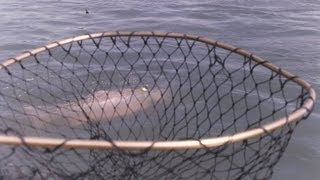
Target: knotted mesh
[[145, 106]]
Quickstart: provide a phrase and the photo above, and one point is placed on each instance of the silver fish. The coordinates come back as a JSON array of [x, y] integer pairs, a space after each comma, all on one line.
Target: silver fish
[[100, 106]]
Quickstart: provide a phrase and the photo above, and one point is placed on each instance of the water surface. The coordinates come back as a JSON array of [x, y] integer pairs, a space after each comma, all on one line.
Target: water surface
[[284, 32]]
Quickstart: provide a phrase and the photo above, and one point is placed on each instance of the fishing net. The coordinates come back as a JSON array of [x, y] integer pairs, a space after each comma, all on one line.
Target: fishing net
[[143, 105]]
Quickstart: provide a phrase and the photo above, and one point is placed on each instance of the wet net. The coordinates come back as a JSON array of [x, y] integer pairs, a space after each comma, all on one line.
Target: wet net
[[145, 105]]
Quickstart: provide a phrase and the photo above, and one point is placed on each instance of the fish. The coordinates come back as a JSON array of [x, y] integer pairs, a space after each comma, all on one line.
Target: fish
[[102, 105]]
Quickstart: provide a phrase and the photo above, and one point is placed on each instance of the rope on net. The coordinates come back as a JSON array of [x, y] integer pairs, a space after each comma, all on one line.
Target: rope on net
[[146, 105]]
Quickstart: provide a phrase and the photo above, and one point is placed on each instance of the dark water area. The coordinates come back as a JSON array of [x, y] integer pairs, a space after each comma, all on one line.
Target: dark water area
[[283, 32]]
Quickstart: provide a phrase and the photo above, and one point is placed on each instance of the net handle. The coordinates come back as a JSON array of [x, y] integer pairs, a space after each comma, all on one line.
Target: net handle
[[298, 114]]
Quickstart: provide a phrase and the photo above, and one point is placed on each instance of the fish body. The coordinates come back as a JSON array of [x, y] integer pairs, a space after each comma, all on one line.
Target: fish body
[[100, 106]]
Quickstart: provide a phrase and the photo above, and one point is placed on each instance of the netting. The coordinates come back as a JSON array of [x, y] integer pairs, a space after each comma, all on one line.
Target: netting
[[145, 105]]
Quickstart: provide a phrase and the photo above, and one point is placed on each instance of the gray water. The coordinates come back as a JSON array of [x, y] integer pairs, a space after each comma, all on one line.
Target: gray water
[[284, 32]]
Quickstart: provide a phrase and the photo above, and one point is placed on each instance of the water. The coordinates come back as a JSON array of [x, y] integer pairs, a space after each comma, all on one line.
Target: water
[[284, 32]]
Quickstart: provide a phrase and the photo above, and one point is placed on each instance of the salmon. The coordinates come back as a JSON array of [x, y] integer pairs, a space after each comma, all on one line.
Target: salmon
[[100, 106]]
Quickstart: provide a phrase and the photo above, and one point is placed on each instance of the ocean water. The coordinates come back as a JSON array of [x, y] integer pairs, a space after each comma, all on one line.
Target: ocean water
[[284, 32]]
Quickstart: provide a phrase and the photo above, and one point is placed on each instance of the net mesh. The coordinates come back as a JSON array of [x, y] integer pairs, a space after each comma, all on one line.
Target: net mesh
[[143, 88]]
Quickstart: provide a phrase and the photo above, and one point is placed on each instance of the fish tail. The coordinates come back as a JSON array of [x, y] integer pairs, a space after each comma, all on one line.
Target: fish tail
[[37, 117]]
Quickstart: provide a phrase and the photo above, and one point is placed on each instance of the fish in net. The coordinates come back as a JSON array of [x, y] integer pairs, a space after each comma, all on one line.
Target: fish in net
[[146, 105]]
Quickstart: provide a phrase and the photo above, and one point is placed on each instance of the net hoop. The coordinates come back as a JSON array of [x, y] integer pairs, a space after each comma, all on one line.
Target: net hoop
[[213, 142]]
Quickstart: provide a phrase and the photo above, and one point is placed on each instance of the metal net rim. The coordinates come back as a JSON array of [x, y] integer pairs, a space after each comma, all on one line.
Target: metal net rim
[[211, 142]]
